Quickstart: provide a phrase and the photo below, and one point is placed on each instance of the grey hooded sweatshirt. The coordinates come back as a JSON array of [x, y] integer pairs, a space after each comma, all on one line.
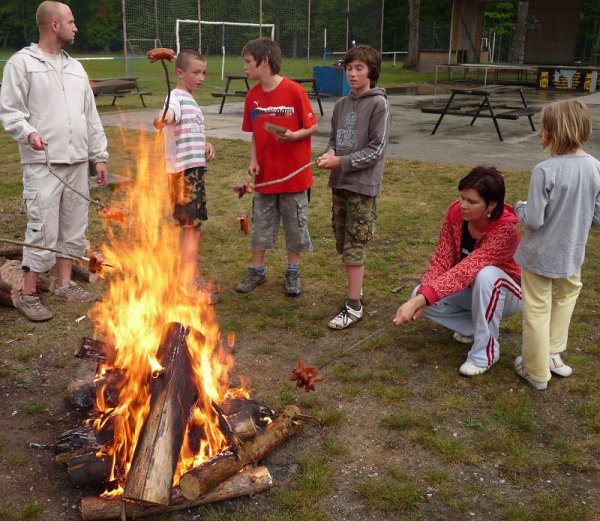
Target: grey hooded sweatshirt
[[360, 128]]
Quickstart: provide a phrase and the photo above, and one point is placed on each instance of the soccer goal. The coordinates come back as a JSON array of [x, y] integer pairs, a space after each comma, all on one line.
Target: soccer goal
[[214, 38], [137, 46]]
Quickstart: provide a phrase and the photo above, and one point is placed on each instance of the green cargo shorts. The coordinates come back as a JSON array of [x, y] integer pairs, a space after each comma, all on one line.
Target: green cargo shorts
[[353, 219], [188, 197]]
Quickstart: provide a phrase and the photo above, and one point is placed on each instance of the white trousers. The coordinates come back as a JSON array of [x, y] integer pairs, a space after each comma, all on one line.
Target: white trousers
[[476, 311], [56, 216]]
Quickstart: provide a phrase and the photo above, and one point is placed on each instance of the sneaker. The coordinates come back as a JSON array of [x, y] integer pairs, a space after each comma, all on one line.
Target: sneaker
[[522, 372], [212, 292], [463, 339], [292, 285], [75, 293], [346, 317], [558, 367], [469, 368], [251, 281], [32, 308]]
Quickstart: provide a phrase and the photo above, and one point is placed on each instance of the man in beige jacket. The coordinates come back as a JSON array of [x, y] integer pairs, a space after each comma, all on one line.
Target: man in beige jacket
[[46, 101]]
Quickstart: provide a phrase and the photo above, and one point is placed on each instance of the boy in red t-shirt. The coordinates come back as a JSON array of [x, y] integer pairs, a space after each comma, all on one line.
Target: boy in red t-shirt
[[282, 102]]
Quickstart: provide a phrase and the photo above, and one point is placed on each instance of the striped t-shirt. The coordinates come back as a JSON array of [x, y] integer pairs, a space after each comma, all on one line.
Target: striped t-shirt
[[185, 140]]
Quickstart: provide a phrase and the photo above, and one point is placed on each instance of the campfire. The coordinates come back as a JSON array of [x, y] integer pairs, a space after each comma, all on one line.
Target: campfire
[[165, 428]]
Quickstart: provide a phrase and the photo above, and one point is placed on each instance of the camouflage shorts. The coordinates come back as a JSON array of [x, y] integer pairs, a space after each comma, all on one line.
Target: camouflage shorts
[[353, 220], [188, 197]]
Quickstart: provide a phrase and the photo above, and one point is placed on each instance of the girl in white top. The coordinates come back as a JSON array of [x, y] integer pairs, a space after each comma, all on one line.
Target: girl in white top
[[563, 202]]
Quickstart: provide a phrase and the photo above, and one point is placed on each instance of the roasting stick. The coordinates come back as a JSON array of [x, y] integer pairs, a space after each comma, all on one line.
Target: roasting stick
[[93, 201], [90, 260], [289, 176], [307, 376], [162, 54]]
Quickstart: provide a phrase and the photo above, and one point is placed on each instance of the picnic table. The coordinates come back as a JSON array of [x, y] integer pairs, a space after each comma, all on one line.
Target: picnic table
[[483, 107], [117, 88], [314, 93]]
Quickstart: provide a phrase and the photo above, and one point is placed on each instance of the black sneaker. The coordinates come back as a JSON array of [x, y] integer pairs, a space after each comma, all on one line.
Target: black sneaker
[[292, 285], [252, 279]]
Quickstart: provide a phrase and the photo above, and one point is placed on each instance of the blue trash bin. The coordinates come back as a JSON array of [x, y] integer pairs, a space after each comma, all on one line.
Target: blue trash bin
[[331, 80]]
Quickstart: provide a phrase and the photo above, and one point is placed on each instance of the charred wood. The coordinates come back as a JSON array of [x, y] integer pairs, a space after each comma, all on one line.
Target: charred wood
[[89, 469], [94, 350]]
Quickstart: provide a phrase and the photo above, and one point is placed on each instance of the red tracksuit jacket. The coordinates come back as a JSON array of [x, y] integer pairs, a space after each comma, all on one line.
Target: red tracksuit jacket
[[447, 274]]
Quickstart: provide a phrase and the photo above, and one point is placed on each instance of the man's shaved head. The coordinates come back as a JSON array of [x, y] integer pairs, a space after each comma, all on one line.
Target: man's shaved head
[[48, 11]]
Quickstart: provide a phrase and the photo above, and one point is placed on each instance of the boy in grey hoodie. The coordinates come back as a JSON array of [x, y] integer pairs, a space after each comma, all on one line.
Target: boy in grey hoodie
[[360, 128]]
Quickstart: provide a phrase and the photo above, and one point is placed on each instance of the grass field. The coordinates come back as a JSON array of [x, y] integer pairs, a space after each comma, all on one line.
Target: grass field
[[400, 435], [151, 77]]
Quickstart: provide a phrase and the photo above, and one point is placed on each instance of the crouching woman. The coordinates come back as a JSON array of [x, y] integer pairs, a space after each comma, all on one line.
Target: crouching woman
[[472, 281]]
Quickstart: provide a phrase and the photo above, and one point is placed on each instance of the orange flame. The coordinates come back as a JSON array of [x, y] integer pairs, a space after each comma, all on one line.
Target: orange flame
[[146, 290]]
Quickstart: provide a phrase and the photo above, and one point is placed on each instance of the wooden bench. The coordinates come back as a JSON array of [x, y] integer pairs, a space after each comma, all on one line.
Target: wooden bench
[[117, 88]]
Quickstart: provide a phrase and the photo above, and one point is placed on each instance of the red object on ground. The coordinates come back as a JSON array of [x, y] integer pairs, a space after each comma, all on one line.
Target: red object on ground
[[306, 376], [244, 224]]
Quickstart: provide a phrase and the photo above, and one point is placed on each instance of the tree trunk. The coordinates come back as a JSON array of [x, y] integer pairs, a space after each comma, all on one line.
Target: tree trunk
[[412, 59], [174, 394], [516, 54], [206, 476], [246, 483]]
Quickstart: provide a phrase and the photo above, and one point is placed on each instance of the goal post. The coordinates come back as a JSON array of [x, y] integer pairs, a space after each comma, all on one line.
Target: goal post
[[220, 32]]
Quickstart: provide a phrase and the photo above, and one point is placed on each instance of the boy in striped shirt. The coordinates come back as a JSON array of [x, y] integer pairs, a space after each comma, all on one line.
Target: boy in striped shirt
[[186, 155]]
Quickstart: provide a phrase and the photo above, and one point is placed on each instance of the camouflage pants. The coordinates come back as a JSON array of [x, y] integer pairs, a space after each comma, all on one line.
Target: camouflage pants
[[188, 197], [353, 219]]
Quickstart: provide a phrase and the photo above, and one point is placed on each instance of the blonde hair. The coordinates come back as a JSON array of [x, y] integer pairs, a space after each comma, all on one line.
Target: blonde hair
[[567, 124], [185, 57]]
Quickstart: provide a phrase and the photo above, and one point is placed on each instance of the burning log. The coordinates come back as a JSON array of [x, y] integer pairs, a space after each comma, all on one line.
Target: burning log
[[248, 482], [209, 474], [88, 469], [94, 350], [174, 394]]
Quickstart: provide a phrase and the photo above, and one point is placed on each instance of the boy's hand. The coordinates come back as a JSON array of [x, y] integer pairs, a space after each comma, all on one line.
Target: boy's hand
[[159, 122], [209, 152], [288, 136], [329, 160], [253, 168]]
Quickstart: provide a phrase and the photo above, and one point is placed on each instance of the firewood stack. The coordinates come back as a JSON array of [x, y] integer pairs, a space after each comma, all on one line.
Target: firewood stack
[[250, 429]]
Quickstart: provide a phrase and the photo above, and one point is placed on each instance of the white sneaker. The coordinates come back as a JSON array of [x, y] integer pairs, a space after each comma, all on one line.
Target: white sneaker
[[470, 369], [558, 367], [462, 338], [522, 372], [346, 317]]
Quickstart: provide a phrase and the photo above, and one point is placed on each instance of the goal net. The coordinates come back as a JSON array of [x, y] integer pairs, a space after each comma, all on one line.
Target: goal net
[[303, 29]]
